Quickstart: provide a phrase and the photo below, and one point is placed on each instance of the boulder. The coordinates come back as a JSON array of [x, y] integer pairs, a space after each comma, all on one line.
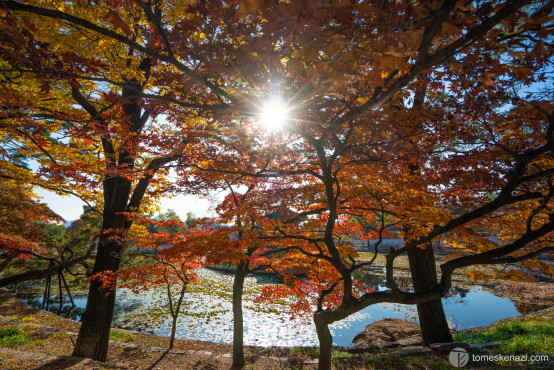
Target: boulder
[[384, 332], [386, 345], [410, 341]]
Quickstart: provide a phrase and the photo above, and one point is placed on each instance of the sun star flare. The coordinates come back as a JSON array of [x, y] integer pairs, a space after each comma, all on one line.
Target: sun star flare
[[274, 115]]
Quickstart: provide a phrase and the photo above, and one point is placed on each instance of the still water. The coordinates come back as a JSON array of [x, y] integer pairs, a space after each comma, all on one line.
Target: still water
[[206, 313]]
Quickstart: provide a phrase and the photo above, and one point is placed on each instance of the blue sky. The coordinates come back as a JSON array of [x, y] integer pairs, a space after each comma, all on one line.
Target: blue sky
[[71, 207]]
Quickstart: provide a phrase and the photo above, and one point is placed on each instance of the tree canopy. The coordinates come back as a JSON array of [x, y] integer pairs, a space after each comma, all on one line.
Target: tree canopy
[[434, 118]]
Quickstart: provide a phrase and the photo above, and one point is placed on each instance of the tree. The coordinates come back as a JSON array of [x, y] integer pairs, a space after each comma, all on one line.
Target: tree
[[347, 135], [235, 158], [26, 235], [111, 123], [114, 147], [351, 68], [432, 319], [235, 243], [22, 234], [167, 270]]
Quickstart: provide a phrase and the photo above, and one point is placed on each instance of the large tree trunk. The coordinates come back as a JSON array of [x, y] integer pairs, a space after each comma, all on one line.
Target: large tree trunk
[[325, 342], [96, 322], [432, 320], [94, 334], [238, 324]]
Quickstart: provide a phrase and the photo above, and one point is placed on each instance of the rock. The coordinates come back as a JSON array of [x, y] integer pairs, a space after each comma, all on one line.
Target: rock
[[225, 355], [385, 331], [479, 347], [410, 341], [384, 345], [414, 351], [527, 296], [447, 347], [312, 362]]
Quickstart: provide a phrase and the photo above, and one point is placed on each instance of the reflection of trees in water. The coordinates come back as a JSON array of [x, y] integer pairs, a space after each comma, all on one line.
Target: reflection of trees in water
[[527, 307], [32, 294], [370, 280], [268, 279], [127, 305], [377, 280], [66, 309], [457, 291]]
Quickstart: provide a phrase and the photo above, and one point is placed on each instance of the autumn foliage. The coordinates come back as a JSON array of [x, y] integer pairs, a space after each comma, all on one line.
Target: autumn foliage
[[430, 120]]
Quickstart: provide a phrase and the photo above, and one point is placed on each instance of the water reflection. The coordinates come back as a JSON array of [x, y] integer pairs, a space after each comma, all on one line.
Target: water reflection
[[207, 312]]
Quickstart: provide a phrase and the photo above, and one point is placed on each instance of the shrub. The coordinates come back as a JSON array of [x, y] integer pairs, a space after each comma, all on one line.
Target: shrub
[[13, 336]]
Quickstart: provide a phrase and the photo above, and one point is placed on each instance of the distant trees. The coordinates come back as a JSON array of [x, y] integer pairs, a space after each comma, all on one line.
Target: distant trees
[[174, 223], [46, 247], [22, 231]]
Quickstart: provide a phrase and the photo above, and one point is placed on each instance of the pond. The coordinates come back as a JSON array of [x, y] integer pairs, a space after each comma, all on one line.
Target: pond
[[207, 312]]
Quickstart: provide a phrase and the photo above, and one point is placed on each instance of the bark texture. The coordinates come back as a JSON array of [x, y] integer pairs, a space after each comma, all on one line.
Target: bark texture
[[238, 323], [432, 320], [325, 342], [94, 334]]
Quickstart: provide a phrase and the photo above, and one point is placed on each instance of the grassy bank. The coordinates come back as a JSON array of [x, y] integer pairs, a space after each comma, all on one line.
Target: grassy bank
[[31, 338], [527, 336]]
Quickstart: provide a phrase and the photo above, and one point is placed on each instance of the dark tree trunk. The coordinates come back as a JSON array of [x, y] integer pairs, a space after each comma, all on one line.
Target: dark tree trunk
[[432, 320], [94, 335], [325, 342], [238, 324], [96, 321]]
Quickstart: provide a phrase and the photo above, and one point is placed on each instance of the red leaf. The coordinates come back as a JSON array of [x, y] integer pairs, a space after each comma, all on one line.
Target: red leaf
[[45, 88], [117, 22]]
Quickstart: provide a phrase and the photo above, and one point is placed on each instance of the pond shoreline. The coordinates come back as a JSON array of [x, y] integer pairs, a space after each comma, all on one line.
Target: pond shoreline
[[502, 289], [134, 349], [207, 313]]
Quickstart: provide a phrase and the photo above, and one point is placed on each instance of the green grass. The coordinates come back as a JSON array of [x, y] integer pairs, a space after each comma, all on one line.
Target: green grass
[[121, 336], [13, 336], [312, 352], [336, 353], [518, 337], [387, 361]]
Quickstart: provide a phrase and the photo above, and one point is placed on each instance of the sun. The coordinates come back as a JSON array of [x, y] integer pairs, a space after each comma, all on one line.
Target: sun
[[274, 115]]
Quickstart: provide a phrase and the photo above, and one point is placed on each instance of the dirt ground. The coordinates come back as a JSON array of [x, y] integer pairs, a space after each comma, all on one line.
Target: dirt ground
[[52, 340]]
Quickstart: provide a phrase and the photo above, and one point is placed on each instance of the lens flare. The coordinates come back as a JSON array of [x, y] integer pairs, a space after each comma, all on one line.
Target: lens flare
[[273, 115]]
